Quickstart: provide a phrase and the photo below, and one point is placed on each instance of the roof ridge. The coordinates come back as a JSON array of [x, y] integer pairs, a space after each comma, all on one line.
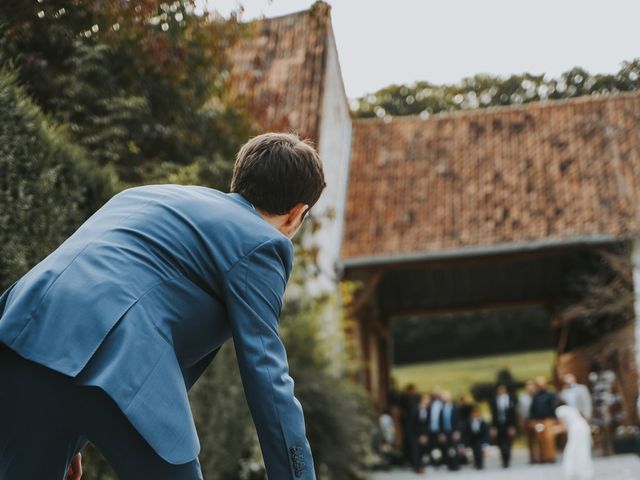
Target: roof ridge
[[548, 103]]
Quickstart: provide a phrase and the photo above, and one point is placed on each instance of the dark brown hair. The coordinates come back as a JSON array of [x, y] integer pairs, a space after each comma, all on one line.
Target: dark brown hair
[[276, 171]]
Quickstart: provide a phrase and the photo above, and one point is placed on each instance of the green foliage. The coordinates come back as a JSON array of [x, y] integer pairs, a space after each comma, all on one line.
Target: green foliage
[[222, 417], [336, 410], [597, 298], [142, 84], [101, 115], [470, 334], [481, 91], [47, 187], [94, 466]]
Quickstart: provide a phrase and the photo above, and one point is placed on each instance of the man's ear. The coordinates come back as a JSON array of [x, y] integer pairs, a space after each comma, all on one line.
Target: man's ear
[[295, 214]]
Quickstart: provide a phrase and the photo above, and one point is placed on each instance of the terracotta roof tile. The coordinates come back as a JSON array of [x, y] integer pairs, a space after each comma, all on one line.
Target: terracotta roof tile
[[280, 69], [505, 175]]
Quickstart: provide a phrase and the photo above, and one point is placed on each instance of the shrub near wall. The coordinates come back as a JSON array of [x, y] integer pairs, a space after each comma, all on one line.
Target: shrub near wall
[[47, 187]]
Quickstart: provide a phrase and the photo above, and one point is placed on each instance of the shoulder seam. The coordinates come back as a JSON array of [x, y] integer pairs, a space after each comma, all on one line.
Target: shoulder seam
[[226, 273]]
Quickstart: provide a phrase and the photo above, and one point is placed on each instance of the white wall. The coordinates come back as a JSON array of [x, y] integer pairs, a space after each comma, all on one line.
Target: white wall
[[334, 148]]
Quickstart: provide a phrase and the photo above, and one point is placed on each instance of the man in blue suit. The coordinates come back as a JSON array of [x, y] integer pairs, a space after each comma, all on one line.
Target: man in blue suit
[[102, 339]]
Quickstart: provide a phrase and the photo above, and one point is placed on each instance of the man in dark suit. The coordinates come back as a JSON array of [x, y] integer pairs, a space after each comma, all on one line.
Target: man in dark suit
[[436, 454], [504, 421], [408, 401], [450, 436], [418, 432], [543, 421], [105, 336], [477, 437]]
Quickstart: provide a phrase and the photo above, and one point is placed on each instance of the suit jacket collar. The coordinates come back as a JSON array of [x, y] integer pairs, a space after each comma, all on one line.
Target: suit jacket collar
[[244, 202], [249, 206]]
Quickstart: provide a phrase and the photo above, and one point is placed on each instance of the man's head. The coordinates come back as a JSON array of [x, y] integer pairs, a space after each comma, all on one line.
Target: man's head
[[281, 176], [541, 383], [530, 387], [569, 379], [502, 389], [410, 389]]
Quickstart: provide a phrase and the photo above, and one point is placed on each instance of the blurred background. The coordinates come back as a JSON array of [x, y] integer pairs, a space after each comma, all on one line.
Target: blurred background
[[479, 228]]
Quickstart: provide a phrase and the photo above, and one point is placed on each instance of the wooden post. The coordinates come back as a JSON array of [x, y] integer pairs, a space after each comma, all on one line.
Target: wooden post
[[385, 367], [373, 367], [365, 348]]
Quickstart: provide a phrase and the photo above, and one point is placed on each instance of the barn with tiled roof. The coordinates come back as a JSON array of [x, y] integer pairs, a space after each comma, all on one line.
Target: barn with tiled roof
[[479, 210], [486, 210]]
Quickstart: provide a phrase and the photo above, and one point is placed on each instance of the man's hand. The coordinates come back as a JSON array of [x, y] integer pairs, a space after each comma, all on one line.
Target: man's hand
[[74, 472]]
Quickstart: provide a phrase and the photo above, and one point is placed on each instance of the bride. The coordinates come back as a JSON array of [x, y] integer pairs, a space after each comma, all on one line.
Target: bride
[[576, 461]]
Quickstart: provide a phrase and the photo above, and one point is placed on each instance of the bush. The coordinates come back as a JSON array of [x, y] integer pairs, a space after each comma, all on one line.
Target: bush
[[222, 417], [47, 187], [337, 411]]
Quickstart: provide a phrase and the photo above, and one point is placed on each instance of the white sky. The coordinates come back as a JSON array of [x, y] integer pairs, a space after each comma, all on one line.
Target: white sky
[[381, 42]]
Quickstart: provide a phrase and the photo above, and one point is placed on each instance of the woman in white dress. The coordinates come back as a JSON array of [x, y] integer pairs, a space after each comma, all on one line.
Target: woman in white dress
[[576, 461]]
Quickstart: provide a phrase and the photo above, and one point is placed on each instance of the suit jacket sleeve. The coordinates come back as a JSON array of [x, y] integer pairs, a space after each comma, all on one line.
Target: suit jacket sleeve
[[254, 289]]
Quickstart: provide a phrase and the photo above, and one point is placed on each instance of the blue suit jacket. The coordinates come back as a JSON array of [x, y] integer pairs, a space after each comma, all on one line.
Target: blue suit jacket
[[138, 300]]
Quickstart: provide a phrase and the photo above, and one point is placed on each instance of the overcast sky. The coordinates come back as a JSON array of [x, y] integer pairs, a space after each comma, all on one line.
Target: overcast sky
[[381, 42]]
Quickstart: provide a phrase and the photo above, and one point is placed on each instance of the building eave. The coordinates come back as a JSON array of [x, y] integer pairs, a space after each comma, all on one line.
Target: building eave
[[477, 251]]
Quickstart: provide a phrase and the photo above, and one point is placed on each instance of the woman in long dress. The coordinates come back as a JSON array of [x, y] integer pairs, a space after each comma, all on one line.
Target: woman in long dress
[[576, 461]]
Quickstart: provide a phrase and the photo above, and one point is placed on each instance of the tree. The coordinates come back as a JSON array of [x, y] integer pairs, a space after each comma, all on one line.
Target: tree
[[598, 296], [480, 91], [143, 85]]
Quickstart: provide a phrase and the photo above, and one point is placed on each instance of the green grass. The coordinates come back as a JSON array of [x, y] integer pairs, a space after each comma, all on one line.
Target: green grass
[[458, 376]]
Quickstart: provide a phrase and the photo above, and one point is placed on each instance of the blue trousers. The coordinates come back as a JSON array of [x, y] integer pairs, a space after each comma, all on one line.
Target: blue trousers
[[46, 418]]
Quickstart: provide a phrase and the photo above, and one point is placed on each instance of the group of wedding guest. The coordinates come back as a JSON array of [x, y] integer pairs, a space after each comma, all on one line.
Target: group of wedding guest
[[434, 426], [438, 431], [433, 429]]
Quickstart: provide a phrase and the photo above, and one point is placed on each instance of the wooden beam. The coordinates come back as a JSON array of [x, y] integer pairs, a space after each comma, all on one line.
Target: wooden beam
[[492, 253], [363, 297], [507, 258], [406, 312]]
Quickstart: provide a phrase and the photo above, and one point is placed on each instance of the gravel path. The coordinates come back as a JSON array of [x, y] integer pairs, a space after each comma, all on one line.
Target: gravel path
[[620, 467]]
